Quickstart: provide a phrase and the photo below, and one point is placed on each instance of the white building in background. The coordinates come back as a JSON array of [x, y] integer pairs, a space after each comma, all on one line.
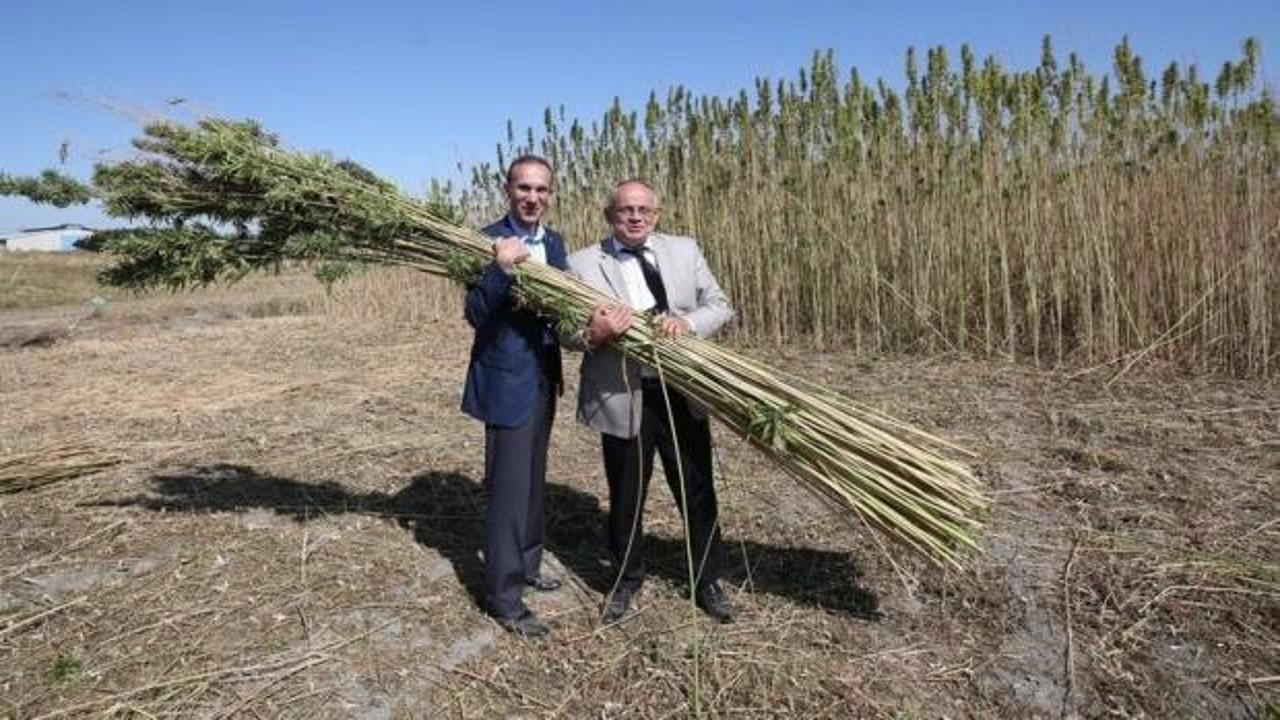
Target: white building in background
[[59, 238]]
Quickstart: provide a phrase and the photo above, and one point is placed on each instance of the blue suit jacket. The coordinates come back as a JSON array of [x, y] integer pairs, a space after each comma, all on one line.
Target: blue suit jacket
[[514, 349]]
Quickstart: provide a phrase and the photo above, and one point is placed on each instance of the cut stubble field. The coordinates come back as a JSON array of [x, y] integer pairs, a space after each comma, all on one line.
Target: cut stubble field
[[294, 533]]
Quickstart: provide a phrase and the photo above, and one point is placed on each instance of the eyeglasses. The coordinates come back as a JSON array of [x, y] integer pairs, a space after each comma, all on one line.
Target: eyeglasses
[[637, 210]]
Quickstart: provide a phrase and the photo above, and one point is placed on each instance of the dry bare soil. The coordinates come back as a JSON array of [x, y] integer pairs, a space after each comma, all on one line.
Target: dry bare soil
[[294, 534]]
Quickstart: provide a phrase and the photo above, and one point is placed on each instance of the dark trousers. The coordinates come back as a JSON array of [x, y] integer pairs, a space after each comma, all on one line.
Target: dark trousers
[[628, 465], [515, 461]]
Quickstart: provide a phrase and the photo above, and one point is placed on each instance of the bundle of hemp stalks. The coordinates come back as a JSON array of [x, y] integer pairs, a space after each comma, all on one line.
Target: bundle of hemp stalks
[[45, 466], [280, 204]]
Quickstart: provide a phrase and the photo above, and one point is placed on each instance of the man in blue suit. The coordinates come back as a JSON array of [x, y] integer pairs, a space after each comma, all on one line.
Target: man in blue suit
[[513, 380]]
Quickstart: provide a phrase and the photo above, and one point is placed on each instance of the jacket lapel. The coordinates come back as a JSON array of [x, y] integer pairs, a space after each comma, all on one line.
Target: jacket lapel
[[612, 273], [667, 266], [555, 250]]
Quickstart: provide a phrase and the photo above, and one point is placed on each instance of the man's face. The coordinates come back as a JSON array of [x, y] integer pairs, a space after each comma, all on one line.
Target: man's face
[[529, 192], [634, 213]]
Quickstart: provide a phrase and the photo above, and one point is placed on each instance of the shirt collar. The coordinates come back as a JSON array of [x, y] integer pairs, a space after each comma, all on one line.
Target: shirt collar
[[618, 247], [518, 229]]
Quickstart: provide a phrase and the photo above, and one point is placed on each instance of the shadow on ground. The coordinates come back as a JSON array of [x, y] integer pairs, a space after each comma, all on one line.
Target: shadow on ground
[[445, 512]]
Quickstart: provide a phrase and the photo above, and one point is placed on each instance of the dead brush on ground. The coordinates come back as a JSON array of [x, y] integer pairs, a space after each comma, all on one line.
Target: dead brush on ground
[[296, 535], [50, 464]]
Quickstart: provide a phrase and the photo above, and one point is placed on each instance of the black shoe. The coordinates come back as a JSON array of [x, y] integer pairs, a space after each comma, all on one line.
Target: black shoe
[[544, 583], [618, 604], [715, 603], [527, 625]]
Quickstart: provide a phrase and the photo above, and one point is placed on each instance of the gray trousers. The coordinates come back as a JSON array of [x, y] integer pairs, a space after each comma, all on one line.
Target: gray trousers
[[515, 461]]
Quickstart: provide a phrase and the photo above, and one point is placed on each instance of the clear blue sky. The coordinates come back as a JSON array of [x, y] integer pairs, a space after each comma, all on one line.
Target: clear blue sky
[[410, 89]]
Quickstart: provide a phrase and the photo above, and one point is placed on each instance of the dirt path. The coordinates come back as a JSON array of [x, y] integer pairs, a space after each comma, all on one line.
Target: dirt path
[[294, 535]]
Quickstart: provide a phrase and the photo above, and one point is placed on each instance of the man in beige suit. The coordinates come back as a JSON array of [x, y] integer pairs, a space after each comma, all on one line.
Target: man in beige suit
[[668, 276]]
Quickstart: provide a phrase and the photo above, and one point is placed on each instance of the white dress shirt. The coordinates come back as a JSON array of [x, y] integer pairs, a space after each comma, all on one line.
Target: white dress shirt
[[533, 239], [633, 276]]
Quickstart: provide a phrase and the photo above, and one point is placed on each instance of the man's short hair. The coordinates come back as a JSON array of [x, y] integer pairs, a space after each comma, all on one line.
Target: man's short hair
[[613, 194], [529, 160]]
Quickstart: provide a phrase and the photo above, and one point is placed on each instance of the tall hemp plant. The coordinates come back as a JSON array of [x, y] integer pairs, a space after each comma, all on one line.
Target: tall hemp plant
[[1051, 213]]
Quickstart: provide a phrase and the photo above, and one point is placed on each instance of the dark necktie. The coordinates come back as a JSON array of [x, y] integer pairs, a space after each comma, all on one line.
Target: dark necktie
[[651, 278]]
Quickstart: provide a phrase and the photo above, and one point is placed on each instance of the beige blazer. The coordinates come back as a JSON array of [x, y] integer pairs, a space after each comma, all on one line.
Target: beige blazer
[[604, 402]]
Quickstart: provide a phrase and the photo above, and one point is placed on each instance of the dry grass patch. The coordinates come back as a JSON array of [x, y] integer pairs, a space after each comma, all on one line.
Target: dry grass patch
[[40, 279], [295, 534]]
